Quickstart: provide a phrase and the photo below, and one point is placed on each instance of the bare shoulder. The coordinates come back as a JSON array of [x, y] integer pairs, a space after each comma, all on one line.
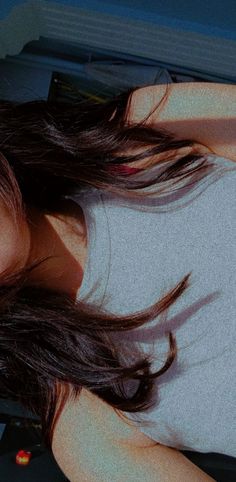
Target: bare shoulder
[[182, 101], [202, 111], [91, 443], [143, 100], [90, 411], [87, 432]]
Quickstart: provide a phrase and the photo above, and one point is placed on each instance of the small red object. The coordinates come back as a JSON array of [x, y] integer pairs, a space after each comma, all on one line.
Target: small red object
[[23, 457]]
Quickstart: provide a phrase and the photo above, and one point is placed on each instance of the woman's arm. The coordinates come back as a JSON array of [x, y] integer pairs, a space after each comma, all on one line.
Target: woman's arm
[[203, 111], [92, 443]]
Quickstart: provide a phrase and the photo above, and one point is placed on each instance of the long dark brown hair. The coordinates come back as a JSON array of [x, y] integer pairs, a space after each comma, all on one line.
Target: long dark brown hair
[[50, 345]]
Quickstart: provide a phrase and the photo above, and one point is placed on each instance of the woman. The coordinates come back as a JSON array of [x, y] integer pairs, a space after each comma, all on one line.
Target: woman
[[112, 215]]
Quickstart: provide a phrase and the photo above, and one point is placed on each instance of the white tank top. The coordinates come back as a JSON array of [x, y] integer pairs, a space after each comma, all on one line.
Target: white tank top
[[137, 257]]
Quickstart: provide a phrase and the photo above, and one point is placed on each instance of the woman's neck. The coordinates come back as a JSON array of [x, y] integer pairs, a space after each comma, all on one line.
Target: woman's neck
[[64, 237]]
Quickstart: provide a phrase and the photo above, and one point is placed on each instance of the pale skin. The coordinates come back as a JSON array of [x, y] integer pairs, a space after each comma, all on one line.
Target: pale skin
[[91, 443]]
